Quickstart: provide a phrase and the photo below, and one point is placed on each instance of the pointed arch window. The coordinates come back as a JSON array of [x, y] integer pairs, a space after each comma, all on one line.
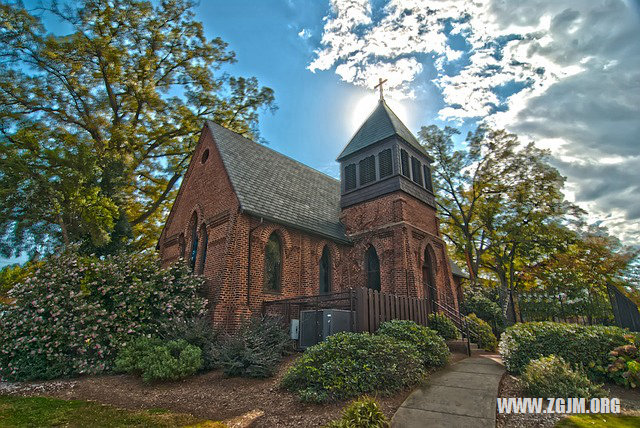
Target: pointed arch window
[[372, 263], [182, 245], [205, 243], [325, 271], [194, 241], [273, 264]]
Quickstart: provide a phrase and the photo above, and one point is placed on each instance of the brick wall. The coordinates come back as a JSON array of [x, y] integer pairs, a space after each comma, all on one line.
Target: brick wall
[[400, 227]]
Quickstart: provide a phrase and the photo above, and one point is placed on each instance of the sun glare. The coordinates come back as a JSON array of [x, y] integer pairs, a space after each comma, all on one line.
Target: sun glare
[[365, 106]]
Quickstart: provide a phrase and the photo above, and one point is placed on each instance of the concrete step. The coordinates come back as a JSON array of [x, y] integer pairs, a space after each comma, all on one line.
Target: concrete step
[[460, 346]]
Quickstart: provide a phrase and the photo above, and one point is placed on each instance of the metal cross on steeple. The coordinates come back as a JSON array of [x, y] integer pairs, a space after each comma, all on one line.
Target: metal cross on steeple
[[379, 85]]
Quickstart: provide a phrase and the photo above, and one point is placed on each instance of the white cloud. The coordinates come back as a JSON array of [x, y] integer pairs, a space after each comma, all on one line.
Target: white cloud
[[304, 33], [566, 74]]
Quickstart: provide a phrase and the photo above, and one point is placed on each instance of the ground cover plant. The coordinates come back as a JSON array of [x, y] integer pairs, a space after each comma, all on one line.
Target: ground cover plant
[[481, 333], [255, 350], [361, 413], [73, 313], [443, 326], [553, 377], [45, 412], [347, 365], [588, 346], [155, 359], [599, 421], [431, 346]]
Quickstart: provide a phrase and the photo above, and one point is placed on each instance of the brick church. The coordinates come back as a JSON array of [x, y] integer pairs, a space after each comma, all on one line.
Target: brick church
[[261, 226]]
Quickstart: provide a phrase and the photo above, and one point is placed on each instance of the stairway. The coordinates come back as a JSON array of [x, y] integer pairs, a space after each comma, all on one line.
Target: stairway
[[466, 331]]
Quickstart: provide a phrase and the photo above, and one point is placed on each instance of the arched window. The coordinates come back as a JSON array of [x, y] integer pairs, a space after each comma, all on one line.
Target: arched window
[[325, 272], [273, 264], [205, 243], [372, 264], [182, 245], [428, 277], [194, 241]]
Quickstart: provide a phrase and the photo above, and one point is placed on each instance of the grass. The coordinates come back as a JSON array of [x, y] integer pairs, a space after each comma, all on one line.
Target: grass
[[49, 412], [599, 421]]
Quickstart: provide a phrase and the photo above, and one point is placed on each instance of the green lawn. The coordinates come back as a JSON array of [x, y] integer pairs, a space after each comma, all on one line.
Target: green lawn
[[599, 421], [48, 412]]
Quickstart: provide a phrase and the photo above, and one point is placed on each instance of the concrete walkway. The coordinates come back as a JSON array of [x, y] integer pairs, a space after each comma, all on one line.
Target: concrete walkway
[[462, 395]]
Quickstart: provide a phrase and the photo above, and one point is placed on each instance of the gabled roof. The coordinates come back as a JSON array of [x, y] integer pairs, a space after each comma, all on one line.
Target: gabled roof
[[273, 186], [382, 123], [456, 271]]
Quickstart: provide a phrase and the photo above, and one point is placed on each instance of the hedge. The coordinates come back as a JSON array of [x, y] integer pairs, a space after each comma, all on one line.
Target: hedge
[[433, 350], [588, 346], [347, 365]]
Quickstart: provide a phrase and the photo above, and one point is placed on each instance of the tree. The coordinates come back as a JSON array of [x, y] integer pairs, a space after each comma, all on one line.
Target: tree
[[464, 180], [97, 126], [501, 203], [574, 281]]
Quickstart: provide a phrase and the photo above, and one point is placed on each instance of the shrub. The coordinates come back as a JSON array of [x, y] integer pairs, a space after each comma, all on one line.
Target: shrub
[[347, 365], [198, 332], [624, 368], [443, 326], [256, 350], [588, 346], [553, 377], [481, 333], [361, 413], [155, 359], [70, 314], [481, 301], [431, 346]]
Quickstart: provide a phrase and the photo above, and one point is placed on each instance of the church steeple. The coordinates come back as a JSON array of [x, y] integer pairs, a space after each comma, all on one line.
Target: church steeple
[[383, 156]]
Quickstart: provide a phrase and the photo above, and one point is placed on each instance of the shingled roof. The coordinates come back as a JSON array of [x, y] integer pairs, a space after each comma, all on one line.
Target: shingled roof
[[381, 124], [273, 186]]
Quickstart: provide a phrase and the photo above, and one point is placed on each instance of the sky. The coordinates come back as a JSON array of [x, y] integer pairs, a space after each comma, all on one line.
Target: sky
[[564, 74]]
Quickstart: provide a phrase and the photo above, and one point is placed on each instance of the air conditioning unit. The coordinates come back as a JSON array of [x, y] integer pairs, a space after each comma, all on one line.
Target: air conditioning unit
[[317, 325]]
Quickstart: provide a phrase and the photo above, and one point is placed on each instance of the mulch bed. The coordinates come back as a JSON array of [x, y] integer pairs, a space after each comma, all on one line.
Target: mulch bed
[[208, 396], [629, 400]]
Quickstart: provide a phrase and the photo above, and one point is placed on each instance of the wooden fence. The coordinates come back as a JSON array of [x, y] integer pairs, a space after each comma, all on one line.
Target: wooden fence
[[373, 308]]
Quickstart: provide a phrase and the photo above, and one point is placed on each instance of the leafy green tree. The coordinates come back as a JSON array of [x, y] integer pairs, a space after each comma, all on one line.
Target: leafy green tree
[[97, 126], [464, 180]]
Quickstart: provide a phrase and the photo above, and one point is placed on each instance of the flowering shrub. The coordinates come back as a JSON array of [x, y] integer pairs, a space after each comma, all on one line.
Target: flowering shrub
[[625, 365], [155, 359], [70, 316]]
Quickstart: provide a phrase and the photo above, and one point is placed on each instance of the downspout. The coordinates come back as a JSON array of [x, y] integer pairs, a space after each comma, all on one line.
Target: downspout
[[249, 263]]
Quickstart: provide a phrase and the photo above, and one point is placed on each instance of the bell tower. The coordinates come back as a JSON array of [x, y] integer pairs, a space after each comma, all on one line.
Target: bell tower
[[389, 210], [384, 157]]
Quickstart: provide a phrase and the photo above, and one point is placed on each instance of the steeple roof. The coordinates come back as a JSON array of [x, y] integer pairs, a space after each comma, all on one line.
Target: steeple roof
[[381, 124]]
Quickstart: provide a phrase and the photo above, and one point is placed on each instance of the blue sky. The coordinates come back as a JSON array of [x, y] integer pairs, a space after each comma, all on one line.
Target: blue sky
[[565, 75]]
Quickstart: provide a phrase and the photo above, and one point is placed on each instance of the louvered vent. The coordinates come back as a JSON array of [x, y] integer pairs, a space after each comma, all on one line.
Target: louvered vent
[[427, 178], [367, 170], [404, 159], [385, 164], [415, 170], [350, 176]]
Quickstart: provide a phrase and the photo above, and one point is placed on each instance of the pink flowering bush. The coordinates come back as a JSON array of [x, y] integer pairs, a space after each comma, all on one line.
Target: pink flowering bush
[[72, 315]]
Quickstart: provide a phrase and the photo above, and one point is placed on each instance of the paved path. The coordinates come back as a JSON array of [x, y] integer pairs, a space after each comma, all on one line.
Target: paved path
[[462, 395]]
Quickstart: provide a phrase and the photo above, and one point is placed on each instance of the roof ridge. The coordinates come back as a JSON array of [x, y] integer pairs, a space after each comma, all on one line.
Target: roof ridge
[[274, 151]]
